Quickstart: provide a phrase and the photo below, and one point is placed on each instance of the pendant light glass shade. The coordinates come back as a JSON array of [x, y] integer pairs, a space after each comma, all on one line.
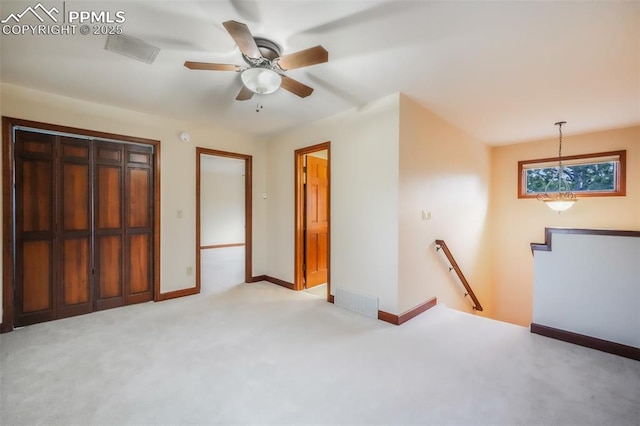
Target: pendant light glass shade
[[559, 205], [261, 80]]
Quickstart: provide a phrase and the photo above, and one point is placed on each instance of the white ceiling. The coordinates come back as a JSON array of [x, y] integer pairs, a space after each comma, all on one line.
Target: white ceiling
[[504, 71]]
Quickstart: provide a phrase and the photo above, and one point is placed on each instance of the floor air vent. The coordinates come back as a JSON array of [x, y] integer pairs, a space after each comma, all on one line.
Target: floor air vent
[[360, 303]]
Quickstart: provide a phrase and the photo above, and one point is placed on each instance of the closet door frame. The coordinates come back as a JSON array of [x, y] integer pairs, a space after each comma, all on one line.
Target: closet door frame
[[8, 204]]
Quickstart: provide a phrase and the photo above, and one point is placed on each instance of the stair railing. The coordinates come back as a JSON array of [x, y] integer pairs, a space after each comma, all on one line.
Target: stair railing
[[440, 244]]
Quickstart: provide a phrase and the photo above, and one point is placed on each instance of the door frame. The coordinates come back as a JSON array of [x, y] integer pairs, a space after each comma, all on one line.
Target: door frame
[[8, 203], [299, 215], [248, 210]]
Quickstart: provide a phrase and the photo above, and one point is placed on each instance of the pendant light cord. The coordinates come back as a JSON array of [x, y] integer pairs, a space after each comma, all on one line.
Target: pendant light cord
[[560, 168], [560, 145]]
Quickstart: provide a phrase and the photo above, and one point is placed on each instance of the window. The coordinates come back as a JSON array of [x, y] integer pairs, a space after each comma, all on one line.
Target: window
[[589, 175]]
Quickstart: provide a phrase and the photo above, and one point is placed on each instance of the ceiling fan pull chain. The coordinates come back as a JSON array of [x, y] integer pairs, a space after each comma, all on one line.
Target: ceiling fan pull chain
[[258, 107]]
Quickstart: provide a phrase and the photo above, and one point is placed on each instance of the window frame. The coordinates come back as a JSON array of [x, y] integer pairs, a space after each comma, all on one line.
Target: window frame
[[620, 181]]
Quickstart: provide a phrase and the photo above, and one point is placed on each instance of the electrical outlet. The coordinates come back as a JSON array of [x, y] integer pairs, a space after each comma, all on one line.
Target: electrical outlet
[[426, 215], [179, 214], [189, 270]]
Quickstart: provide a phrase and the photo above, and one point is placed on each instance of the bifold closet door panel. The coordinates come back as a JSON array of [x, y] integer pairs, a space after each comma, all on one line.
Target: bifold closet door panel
[[73, 245], [109, 231], [35, 292], [139, 224]]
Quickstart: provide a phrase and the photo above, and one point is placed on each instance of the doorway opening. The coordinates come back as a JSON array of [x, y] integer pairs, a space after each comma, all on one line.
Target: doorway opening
[[312, 218], [223, 219]]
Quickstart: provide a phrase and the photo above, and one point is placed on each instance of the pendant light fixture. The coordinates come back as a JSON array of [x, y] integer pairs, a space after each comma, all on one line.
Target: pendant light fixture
[[562, 199]]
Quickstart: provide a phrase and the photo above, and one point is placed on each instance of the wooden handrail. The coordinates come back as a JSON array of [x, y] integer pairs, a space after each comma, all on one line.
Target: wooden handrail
[[440, 244]]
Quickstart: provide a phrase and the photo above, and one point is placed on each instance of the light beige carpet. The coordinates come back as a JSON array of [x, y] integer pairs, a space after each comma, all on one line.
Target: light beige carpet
[[262, 354], [319, 290], [221, 268]]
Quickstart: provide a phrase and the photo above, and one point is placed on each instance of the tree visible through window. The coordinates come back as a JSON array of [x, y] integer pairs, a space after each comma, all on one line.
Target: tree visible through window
[[588, 175]]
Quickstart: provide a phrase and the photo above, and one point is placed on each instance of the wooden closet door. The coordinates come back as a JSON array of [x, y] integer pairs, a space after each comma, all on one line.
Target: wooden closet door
[[138, 263], [35, 295], [74, 238], [83, 226], [109, 224], [123, 224]]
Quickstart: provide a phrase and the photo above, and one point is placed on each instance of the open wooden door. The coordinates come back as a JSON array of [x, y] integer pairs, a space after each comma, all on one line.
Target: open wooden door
[[312, 221], [316, 221]]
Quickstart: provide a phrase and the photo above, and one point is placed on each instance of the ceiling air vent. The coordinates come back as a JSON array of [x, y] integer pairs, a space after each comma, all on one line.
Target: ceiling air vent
[[132, 47]]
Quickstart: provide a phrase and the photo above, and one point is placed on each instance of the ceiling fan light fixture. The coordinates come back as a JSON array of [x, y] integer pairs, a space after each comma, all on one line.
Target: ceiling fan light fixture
[[261, 80]]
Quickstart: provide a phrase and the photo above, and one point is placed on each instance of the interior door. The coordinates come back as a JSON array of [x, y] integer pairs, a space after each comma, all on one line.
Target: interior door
[[316, 221]]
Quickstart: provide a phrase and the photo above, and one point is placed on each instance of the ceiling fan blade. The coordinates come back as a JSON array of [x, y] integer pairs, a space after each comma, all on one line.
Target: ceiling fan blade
[[295, 87], [304, 58], [240, 33], [245, 94], [212, 67]]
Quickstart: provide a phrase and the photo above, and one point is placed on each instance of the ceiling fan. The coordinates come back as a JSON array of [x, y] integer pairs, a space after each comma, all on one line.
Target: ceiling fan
[[266, 66]]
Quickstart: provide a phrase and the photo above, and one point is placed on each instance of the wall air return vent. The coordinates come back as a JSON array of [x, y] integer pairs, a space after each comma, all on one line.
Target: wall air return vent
[[132, 47], [361, 303]]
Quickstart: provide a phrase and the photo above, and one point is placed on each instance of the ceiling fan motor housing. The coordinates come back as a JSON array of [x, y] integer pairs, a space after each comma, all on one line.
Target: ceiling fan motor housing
[[269, 50], [262, 78]]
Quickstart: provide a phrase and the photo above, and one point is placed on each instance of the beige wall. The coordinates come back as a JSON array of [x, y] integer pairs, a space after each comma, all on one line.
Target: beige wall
[[517, 222], [221, 201], [364, 199], [390, 160], [445, 171], [177, 167]]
